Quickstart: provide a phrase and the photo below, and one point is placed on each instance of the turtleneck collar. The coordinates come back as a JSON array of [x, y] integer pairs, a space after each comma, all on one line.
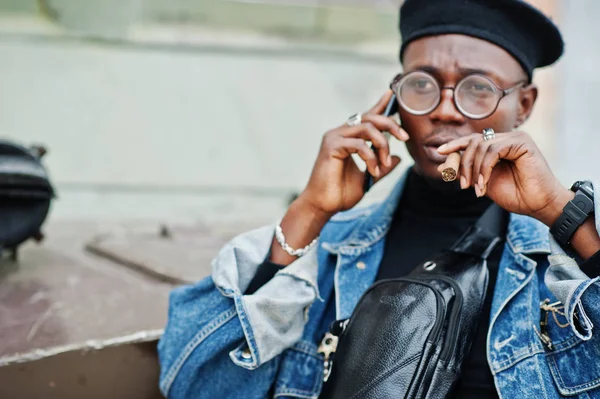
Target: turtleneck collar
[[437, 198]]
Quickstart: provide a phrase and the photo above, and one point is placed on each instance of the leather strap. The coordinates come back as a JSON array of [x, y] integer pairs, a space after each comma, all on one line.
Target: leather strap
[[481, 238]]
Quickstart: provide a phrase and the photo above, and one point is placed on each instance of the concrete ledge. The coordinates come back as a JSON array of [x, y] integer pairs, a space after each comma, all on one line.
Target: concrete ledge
[[114, 18]]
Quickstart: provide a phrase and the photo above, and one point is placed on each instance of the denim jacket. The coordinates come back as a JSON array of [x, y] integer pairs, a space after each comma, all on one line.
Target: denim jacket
[[220, 343]]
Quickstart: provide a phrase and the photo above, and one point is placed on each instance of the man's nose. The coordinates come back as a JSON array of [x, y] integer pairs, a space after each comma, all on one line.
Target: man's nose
[[446, 111]]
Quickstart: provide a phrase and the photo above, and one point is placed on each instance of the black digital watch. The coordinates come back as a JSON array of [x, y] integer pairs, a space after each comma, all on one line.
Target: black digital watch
[[574, 213]]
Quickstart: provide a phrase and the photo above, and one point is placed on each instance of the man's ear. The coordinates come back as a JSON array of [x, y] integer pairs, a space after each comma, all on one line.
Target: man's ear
[[528, 96]]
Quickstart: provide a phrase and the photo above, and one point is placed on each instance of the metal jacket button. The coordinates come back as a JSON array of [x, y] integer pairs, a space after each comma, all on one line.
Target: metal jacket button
[[246, 354]]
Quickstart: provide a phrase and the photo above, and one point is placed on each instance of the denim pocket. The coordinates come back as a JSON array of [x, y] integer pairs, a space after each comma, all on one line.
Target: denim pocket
[[576, 369], [300, 373], [573, 361]]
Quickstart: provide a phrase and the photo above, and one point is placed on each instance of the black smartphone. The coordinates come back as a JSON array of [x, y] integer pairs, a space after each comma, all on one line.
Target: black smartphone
[[390, 109]]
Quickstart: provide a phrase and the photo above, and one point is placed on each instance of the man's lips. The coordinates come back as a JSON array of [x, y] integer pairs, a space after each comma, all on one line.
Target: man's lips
[[438, 140], [433, 155], [431, 145]]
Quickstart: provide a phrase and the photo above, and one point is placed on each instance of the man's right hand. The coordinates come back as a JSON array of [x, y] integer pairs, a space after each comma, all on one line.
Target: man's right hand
[[336, 182]]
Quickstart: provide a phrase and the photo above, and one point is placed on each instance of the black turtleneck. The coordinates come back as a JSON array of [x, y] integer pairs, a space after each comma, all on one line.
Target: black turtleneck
[[430, 217]]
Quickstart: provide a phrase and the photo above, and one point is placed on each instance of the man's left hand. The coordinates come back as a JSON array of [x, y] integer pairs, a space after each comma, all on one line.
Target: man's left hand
[[511, 170]]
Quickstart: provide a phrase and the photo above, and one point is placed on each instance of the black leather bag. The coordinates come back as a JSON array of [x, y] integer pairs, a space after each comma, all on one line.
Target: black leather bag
[[25, 195], [408, 337]]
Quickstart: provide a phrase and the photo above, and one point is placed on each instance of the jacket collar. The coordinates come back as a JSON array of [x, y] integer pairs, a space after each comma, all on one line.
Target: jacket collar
[[525, 235]]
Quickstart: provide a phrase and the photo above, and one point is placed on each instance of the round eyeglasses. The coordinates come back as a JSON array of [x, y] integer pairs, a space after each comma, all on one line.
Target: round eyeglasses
[[475, 96]]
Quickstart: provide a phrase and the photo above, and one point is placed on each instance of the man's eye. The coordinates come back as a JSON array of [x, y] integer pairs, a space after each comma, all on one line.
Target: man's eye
[[422, 84], [480, 88]]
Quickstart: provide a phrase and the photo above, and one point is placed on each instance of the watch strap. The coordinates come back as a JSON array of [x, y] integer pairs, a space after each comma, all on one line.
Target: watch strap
[[574, 215]]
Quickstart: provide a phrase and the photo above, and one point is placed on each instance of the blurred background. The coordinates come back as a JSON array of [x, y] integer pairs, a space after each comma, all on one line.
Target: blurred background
[[173, 125], [181, 109]]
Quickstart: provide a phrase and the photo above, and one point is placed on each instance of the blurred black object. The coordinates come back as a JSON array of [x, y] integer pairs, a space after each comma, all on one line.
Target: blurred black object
[[25, 195]]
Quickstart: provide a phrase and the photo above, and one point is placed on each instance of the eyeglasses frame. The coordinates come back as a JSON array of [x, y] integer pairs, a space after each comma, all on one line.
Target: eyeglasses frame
[[394, 86]]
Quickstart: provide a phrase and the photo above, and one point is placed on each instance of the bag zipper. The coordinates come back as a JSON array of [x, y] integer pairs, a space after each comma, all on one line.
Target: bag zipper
[[454, 319], [454, 314]]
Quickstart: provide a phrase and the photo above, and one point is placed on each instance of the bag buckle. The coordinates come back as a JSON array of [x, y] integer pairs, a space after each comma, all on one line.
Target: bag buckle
[[327, 348]]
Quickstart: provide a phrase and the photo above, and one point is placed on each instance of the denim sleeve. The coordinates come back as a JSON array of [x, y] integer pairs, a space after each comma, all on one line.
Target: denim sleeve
[[579, 293], [272, 318], [215, 333]]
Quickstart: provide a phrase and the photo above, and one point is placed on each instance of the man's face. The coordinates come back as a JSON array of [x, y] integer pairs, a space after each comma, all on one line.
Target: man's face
[[449, 58]]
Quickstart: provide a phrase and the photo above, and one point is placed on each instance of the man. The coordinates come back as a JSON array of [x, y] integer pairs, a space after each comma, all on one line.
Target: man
[[252, 329]]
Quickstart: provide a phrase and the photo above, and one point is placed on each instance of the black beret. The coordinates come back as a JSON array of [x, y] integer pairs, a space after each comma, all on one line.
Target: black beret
[[521, 29]]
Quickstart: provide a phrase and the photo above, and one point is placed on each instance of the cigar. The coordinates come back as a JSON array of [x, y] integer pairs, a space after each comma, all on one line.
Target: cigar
[[450, 167]]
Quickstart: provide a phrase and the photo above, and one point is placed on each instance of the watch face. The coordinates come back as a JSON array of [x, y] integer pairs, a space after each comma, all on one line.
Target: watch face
[[584, 186]]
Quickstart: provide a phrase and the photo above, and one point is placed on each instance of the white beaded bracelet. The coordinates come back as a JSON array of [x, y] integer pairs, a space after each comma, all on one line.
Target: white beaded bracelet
[[286, 247]]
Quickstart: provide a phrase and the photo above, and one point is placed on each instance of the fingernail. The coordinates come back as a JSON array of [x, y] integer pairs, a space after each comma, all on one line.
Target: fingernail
[[480, 181], [442, 147], [377, 171], [477, 191], [389, 161], [463, 182]]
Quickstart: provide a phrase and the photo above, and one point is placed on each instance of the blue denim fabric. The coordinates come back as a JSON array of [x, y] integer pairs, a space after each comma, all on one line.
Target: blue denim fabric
[[219, 343]]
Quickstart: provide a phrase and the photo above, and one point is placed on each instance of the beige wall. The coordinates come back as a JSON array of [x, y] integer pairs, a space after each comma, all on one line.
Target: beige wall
[[543, 122]]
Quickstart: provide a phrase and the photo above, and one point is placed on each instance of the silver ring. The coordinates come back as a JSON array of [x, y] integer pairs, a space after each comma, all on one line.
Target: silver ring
[[354, 120], [488, 134]]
